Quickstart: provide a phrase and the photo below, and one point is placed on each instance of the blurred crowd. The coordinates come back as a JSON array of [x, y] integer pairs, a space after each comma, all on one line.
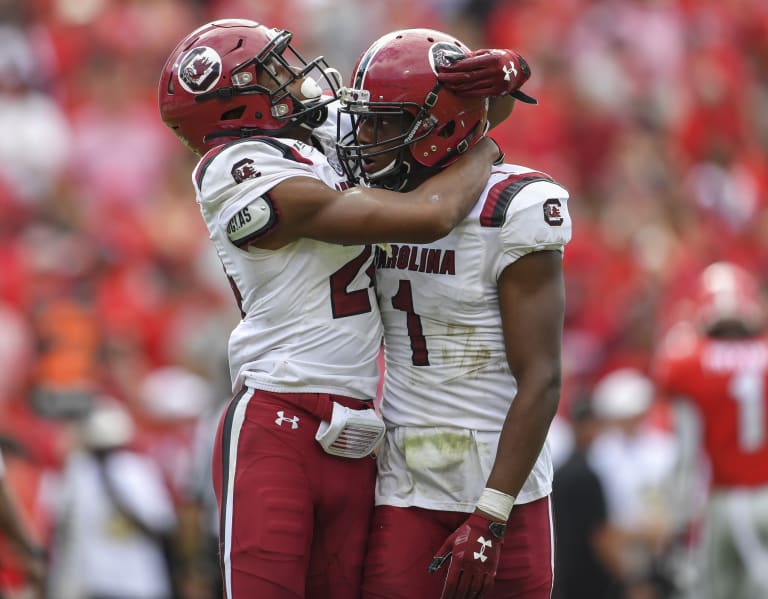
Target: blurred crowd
[[651, 112]]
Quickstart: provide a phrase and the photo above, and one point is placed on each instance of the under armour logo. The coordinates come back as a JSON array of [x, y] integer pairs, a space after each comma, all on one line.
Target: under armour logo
[[282, 418], [483, 544], [509, 70]]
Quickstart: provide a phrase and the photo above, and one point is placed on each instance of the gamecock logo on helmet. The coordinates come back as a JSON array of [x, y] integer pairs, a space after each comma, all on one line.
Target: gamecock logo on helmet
[[200, 70], [443, 53]]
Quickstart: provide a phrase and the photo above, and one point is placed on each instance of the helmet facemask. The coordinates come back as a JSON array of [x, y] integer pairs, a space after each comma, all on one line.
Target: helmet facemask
[[379, 129], [285, 107], [396, 79]]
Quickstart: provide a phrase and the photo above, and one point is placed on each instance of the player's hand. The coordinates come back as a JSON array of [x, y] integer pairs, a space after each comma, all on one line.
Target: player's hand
[[487, 73], [472, 553]]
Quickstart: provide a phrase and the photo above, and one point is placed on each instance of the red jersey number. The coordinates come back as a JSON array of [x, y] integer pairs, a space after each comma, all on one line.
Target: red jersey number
[[350, 303], [403, 300]]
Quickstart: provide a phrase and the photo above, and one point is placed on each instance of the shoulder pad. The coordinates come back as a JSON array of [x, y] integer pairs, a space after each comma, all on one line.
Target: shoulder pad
[[530, 213], [249, 158], [501, 194], [251, 222]]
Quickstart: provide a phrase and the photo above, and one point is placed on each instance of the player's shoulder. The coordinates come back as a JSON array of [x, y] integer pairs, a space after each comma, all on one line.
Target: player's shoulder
[[515, 188], [250, 158]]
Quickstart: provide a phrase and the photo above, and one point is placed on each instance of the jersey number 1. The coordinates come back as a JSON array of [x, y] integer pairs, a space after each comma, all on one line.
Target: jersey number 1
[[403, 300], [747, 388]]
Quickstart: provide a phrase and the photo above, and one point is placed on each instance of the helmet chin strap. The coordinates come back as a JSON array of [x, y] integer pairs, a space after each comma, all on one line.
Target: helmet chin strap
[[384, 171], [315, 118], [393, 177]]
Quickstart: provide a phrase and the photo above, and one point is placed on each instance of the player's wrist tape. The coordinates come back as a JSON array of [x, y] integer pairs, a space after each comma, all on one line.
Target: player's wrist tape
[[496, 504], [350, 433]]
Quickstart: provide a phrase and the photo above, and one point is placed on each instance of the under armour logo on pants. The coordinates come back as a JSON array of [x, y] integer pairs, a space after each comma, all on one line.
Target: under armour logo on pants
[[282, 418]]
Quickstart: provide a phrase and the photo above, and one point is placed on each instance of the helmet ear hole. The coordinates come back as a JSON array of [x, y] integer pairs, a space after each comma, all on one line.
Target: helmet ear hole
[[448, 130], [233, 114]]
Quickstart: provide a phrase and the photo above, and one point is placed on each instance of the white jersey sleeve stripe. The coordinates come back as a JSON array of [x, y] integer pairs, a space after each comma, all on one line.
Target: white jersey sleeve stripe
[[501, 195]]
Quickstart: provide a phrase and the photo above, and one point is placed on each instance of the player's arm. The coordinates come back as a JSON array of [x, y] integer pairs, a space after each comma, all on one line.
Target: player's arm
[[309, 208], [532, 303], [499, 109]]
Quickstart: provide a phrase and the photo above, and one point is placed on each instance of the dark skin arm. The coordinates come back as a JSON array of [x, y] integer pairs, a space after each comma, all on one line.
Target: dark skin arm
[[310, 209], [499, 108], [532, 303]]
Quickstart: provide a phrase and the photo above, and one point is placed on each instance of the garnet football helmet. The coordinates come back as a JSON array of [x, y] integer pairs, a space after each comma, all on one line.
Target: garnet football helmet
[[729, 295], [209, 91], [395, 81]]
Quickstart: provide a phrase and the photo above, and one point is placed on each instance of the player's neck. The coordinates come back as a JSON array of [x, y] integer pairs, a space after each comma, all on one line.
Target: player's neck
[[417, 176], [299, 133]]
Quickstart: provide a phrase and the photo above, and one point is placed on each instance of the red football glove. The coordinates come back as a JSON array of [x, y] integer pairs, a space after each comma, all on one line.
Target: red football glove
[[474, 550], [487, 73]]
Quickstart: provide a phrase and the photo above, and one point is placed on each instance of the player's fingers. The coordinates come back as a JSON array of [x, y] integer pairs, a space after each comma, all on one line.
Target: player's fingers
[[475, 74], [471, 88], [472, 91], [483, 585], [475, 63], [454, 584], [464, 586], [463, 79], [452, 579], [454, 79]]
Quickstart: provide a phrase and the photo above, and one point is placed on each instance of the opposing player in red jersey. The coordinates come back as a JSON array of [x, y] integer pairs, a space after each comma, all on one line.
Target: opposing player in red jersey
[[472, 328], [292, 467], [718, 364]]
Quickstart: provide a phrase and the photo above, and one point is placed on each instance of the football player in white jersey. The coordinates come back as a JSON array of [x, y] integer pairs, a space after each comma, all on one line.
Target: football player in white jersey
[[472, 328], [292, 468]]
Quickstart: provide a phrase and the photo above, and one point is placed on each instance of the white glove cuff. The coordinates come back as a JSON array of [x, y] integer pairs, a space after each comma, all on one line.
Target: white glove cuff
[[496, 504]]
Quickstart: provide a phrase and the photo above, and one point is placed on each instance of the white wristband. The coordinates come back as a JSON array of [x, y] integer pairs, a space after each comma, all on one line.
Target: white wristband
[[496, 504]]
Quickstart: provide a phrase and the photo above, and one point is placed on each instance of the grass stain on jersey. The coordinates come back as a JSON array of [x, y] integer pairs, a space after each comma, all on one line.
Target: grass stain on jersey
[[469, 354], [437, 451]]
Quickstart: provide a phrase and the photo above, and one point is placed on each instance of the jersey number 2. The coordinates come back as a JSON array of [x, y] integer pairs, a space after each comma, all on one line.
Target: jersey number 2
[[343, 302], [349, 303]]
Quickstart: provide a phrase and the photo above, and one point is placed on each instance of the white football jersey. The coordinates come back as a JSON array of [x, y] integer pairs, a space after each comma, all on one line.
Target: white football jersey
[[446, 364], [310, 322]]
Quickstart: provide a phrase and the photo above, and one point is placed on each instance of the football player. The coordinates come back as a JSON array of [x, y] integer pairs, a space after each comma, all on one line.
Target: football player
[[717, 365], [292, 468], [472, 327]]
